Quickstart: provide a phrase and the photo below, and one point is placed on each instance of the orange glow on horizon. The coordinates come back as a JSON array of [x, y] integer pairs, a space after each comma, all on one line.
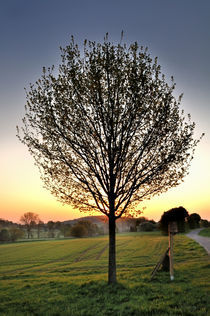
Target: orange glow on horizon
[[21, 190]]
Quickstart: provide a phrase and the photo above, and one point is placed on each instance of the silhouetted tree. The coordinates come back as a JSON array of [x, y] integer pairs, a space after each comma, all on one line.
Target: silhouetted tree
[[29, 220], [106, 131], [194, 220], [177, 214]]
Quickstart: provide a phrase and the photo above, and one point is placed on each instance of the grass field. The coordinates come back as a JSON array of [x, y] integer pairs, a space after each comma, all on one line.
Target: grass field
[[69, 277], [205, 232]]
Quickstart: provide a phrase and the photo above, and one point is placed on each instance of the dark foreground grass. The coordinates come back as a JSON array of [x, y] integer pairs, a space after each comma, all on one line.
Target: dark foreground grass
[[205, 232], [69, 278]]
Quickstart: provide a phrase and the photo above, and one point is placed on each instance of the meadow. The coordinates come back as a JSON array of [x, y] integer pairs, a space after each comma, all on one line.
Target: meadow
[[69, 277]]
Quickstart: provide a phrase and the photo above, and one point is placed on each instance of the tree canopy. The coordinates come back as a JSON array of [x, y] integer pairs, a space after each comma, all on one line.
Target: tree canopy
[[106, 131], [194, 220], [178, 215], [30, 220]]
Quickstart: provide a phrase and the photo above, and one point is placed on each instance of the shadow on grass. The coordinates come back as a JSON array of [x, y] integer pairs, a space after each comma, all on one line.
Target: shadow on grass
[[158, 297]]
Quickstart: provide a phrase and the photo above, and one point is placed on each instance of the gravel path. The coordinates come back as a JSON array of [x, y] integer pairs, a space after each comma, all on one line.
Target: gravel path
[[203, 241]]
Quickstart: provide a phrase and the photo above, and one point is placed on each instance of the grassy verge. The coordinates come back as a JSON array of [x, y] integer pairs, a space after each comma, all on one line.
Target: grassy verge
[[205, 232], [69, 277]]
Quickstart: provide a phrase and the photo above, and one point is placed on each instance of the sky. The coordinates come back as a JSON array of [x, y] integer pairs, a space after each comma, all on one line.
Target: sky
[[31, 32]]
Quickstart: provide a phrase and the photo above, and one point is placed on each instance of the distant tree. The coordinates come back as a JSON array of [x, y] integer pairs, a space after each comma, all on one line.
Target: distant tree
[[107, 132], [4, 235], [92, 229], [177, 214], [5, 223], [58, 225], [15, 233], [79, 230], [29, 220], [66, 230], [140, 220], [205, 223], [194, 220], [51, 228], [39, 226], [147, 227], [133, 229], [152, 221]]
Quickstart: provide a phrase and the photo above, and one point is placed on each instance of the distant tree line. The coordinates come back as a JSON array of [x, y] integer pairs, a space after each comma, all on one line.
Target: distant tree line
[[33, 227]]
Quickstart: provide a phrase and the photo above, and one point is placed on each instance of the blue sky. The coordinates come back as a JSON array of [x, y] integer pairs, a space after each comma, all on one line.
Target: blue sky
[[178, 32]]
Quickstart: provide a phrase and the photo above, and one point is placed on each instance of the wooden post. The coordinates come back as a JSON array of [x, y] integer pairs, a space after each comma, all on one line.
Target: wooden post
[[172, 230], [171, 255]]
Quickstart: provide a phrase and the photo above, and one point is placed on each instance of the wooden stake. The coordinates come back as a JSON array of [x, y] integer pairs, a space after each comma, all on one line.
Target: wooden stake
[[159, 264], [172, 230], [171, 255]]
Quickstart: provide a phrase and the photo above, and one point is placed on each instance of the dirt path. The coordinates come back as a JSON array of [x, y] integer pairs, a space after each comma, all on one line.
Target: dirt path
[[203, 241]]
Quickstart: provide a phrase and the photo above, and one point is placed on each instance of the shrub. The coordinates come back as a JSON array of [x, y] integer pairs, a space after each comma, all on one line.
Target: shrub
[[147, 227], [92, 229], [79, 230]]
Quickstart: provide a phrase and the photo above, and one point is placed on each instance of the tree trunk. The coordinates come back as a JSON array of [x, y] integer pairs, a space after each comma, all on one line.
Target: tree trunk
[[112, 251]]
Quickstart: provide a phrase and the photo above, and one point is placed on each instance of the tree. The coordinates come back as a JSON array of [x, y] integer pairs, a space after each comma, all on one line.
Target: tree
[[194, 220], [106, 131], [79, 230], [5, 223], [39, 226], [147, 227], [4, 235], [66, 229], [92, 229], [58, 225], [15, 233], [177, 214], [51, 228], [30, 220], [140, 220], [205, 223]]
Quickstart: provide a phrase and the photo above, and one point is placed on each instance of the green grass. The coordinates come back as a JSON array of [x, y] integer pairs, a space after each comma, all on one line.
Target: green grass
[[69, 277], [205, 232]]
